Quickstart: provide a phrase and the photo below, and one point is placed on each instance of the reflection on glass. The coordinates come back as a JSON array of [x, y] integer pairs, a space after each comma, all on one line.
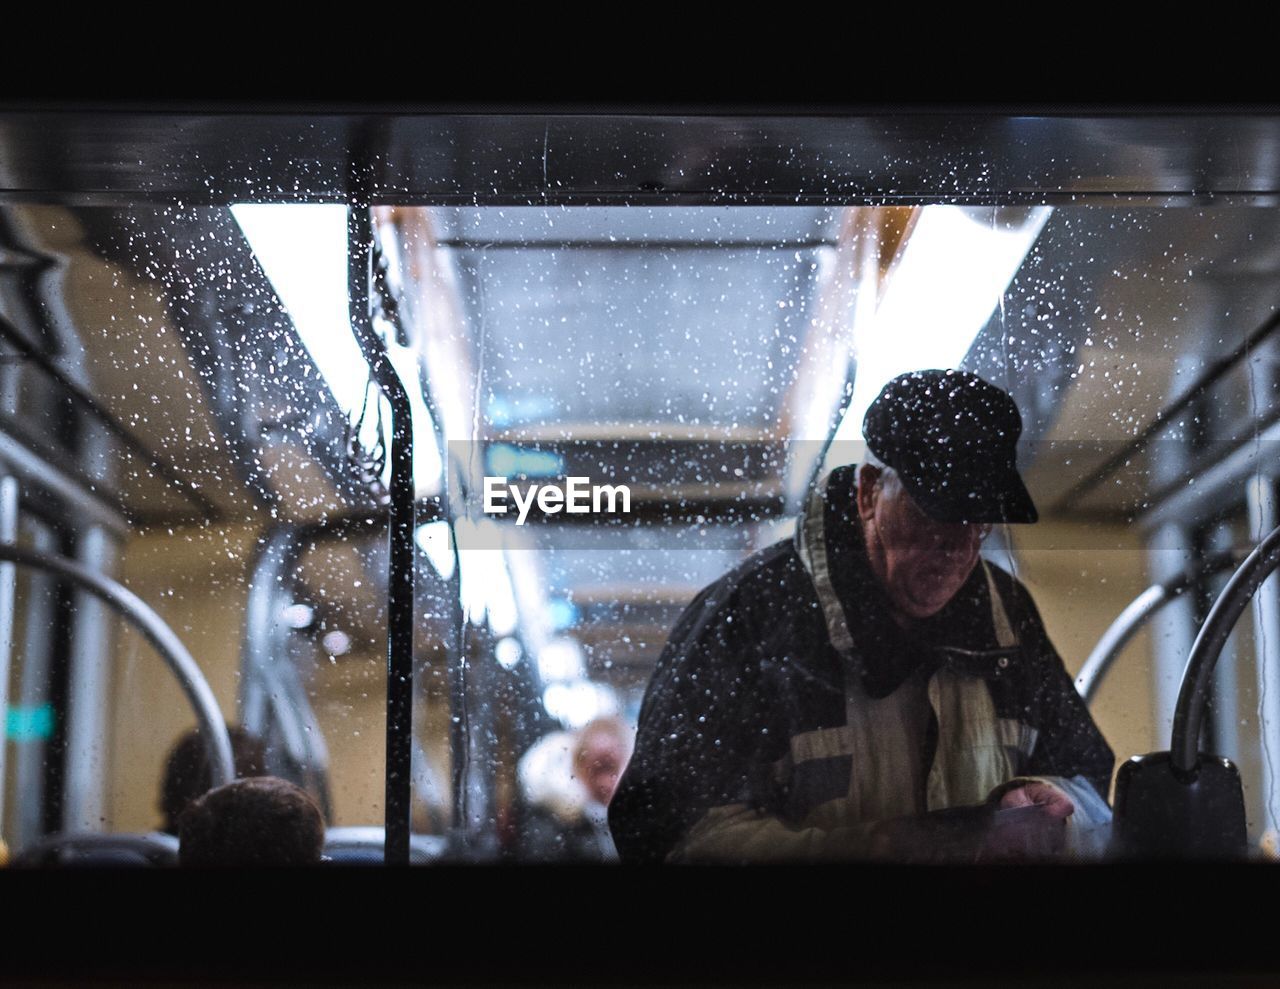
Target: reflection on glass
[[719, 361]]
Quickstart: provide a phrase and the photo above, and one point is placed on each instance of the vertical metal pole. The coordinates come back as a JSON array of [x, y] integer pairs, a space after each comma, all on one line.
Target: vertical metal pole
[[40, 615], [84, 797], [8, 591], [481, 745], [1170, 553], [400, 602], [1226, 675], [1173, 630], [272, 702], [1260, 496], [459, 715]]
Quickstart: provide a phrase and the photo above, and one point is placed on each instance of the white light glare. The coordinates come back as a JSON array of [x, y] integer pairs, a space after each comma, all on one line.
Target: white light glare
[[579, 701], [336, 643], [298, 615], [427, 479], [486, 583], [507, 652], [957, 264], [561, 659], [433, 538], [303, 250]]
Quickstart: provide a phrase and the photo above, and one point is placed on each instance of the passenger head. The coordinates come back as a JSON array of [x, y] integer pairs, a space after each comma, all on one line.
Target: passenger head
[[920, 563], [600, 755], [941, 470], [251, 822], [187, 773]]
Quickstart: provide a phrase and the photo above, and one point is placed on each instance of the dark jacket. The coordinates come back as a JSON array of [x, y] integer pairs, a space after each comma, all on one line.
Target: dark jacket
[[788, 712]]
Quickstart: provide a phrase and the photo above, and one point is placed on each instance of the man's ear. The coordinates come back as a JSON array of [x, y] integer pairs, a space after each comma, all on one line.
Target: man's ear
[[868, 490]]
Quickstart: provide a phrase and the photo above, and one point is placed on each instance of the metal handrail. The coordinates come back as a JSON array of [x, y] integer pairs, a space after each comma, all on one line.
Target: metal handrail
[[83, 397], [127, 604], [1188, 717], [263, 696], [1128, 622], [1198, 389]]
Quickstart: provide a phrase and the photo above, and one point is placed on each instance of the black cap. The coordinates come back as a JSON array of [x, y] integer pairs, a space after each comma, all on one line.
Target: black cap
[[952, 438]]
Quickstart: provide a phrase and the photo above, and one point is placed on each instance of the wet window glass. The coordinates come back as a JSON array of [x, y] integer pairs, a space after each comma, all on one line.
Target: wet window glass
[[733, 529]]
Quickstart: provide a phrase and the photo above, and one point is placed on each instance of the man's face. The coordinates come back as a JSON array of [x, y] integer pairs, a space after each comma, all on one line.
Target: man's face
[[599, 764], [920, 562]]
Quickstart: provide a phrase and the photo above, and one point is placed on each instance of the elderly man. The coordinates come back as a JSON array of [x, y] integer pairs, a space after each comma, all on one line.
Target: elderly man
[[873, 688]]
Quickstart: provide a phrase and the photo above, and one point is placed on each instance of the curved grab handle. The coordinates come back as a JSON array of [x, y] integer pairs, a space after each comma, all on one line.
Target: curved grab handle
[[1188, 717], [130, 606], [1129, 621]]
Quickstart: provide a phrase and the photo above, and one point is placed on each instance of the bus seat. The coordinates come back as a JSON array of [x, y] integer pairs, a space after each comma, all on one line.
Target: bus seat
[[363, 845], [93, 849]]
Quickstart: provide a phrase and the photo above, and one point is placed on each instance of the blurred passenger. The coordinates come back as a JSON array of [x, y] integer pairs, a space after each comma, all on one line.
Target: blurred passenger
[[187, 773], [603, 747], [568, 779], [262, 820]]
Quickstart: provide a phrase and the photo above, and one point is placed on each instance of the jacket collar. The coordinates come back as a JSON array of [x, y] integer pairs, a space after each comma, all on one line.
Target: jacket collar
[[971, 634]]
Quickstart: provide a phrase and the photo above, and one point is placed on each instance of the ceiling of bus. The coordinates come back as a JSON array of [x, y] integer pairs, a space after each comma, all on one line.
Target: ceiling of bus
[[682, 321], [167, 154], [1116, 315], [170, 321], [638, 317]]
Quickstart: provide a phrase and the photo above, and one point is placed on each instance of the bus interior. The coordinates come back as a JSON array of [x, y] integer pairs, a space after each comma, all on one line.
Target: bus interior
[[255, 366]]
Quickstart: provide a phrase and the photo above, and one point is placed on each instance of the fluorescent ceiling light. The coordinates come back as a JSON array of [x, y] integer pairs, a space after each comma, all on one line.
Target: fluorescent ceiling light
[[303, 250], [955, 267]]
